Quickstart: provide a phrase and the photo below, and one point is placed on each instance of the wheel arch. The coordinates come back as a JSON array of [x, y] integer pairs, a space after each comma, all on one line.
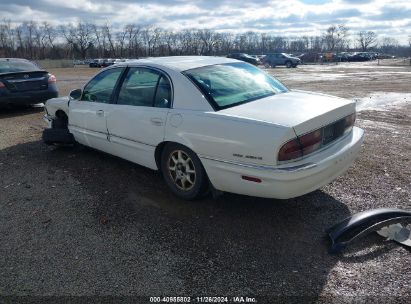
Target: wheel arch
[[61, 114], [207, 185], [160, 147], [158, 151], [60, 120]]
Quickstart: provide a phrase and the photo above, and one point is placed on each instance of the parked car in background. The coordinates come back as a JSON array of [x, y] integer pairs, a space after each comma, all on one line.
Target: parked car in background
[[119, 61], [276, 59], [196, 119], [244, 57], [78, 62], [342, 57], [87, 61], [308, 57], [107, 62], [359, 57], [385, 56], [96, 63], [22, 82]]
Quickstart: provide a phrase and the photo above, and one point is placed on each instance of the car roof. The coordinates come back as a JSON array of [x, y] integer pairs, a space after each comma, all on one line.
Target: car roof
[[183, 63]]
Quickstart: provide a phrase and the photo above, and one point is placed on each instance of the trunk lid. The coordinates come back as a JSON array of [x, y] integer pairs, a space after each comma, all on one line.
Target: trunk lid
[[25, 81], [304, 111]]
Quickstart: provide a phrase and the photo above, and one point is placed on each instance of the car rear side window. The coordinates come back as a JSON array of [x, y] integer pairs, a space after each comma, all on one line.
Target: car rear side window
[[145, 88], [100, 88], [163, 93], [231, 84]]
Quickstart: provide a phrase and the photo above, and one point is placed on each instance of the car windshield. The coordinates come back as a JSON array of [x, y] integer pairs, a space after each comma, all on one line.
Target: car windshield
[[10, 66], [231, 84]]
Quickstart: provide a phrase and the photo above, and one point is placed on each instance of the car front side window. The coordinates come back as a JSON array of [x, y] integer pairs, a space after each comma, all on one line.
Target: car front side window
[[100, 88]]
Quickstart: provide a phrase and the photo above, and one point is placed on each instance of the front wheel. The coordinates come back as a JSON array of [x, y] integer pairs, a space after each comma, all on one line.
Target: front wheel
[[183, 172], [288, 64]]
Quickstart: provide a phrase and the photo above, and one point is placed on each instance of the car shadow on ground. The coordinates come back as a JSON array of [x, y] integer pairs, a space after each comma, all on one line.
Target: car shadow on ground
[[8, 112], [232, 245]]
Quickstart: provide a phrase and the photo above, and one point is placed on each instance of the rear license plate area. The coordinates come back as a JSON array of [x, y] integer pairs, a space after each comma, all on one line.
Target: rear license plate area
[[328, 134]]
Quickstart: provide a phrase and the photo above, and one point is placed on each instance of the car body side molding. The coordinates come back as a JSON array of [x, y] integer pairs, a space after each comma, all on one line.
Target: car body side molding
[[362, 224]]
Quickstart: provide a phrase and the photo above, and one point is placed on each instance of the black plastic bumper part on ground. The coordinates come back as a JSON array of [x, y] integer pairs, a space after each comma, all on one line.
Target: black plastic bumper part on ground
[[363, 223]]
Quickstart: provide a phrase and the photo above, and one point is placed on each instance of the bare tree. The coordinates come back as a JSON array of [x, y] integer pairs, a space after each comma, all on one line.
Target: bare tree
[[107, 32], [388, 45], [366, 40], [41, 40], [335, 38], [80, 37], [409, 43]]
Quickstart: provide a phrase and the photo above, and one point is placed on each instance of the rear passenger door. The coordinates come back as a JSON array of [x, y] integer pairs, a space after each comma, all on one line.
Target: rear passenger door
[[136, 125]]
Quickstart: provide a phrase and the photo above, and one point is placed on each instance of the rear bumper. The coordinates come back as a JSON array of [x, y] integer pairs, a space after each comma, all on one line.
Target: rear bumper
[[286, 181], [26, 98]]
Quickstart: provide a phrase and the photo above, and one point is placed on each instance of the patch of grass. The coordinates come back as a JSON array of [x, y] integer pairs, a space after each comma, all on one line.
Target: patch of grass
[[59, 63]]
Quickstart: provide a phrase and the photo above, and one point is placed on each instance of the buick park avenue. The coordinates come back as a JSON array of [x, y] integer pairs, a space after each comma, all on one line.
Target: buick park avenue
[[210, 123]]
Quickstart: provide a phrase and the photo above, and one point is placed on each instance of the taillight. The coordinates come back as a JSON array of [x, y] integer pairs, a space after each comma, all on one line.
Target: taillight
[[2, 85], [310, 142], [349, 122], [52, 78], [290, 150]]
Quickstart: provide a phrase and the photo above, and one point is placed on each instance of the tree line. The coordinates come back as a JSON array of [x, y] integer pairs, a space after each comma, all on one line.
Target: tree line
[[41, 40]]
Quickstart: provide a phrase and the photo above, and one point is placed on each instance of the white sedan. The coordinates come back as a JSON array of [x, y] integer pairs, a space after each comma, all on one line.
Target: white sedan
[[211, 123]]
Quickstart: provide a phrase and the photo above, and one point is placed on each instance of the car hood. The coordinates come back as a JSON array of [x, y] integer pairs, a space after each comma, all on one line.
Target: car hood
[[302, 110]]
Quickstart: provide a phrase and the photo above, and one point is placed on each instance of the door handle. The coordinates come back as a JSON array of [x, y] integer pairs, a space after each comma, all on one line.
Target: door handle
[[100, 112], [156, 121]]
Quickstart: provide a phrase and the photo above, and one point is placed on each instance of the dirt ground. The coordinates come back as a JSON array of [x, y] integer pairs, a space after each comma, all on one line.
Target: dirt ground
[[77, 222]]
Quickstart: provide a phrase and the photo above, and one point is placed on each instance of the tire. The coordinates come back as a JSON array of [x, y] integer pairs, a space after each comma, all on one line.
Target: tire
[[183, 172], [288, 64]]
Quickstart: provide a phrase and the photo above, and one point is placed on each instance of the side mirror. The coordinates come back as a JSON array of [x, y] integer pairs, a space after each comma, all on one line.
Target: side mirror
[[75, 94]]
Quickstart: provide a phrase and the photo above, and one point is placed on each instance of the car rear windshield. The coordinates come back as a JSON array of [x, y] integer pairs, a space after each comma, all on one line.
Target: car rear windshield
[[13, 66], [231, 84]]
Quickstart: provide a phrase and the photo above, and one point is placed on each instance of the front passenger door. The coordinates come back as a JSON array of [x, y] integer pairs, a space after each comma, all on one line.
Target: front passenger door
[[87, 116], [137, 125]]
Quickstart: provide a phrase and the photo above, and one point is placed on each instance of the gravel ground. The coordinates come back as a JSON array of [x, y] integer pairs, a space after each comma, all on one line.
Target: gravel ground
[[75, 221]]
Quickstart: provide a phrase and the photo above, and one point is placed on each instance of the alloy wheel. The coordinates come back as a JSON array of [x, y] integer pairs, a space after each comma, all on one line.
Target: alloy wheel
[[181, 170]]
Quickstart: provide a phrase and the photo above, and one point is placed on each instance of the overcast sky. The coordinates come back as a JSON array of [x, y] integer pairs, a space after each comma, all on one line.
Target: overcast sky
[[390, 18]]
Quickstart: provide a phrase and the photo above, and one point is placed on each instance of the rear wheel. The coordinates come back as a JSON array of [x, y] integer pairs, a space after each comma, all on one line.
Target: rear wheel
[[183, 172]]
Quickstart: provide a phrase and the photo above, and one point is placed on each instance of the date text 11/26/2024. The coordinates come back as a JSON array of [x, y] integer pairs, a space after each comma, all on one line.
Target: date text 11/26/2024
[[239, 299]]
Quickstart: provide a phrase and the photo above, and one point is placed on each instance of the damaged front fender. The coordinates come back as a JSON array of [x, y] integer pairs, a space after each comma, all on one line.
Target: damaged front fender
[[363, 223]]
